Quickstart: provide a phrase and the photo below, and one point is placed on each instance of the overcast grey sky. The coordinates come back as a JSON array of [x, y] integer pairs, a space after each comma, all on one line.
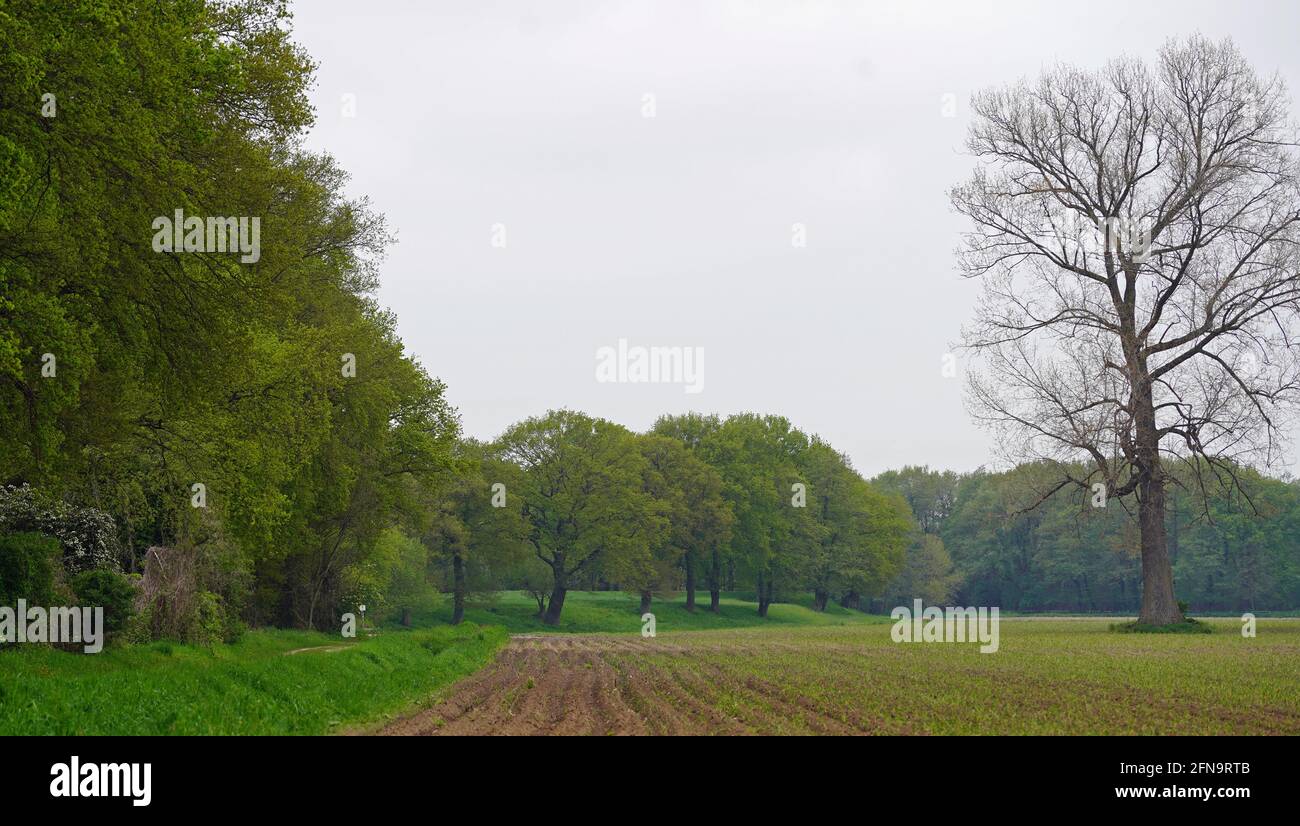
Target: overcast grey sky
[[677, 229]]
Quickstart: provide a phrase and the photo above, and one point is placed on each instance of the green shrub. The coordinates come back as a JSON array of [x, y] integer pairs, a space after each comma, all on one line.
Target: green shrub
[[232, 627], [111, 591], [139, 627], [208, 627], [29, 566]]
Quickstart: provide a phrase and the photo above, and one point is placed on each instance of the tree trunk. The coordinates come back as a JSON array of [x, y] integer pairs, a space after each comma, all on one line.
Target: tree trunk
[[852, 600], [556, 604], [689, 562], [715, 581], [820, 598], [764, 595], [406, 617], [645, 602], [1159, 607], [458, 588]]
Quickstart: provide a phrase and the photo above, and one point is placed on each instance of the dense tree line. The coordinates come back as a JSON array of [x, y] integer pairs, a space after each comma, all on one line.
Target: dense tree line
[[1234, 546], [698, 502], [256, 412]]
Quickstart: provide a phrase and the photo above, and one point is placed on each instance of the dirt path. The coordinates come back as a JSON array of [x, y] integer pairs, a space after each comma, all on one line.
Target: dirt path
[[576, 685], [325, 648]]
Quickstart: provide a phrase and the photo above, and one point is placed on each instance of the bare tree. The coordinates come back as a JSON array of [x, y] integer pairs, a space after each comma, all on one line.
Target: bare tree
[[1136, 234]]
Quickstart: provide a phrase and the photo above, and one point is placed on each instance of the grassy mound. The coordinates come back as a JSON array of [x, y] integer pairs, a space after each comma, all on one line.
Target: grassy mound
[[1187, 626], [589, 612]]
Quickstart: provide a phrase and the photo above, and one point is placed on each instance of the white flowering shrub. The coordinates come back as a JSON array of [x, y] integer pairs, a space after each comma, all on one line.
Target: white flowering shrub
[[88, 535]]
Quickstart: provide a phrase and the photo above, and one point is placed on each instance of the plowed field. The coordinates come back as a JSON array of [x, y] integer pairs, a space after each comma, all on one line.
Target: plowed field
[[1071, 677]]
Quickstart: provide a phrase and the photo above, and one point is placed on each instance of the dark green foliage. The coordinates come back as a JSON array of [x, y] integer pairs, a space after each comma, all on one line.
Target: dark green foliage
[[28, 566], [1234, 548], [109, 590]]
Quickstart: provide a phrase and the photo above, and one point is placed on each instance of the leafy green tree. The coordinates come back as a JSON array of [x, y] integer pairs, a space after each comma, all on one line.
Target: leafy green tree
[[129, 374], [29, 565], [474, 527], [927, 574], [756, 457], [688, 496], [930, 494], [856, 534], [699, 434], [581, 489]]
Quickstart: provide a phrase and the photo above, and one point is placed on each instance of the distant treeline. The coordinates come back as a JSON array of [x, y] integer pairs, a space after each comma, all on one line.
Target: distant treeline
[[1232, 549]]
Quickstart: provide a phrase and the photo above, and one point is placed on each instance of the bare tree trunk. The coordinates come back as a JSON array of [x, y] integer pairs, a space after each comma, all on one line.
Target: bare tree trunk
[[458, 588], [1159, 607], [645, 602]]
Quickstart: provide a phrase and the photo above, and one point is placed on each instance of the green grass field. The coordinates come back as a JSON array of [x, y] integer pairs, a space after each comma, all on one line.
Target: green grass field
[[253, 687]]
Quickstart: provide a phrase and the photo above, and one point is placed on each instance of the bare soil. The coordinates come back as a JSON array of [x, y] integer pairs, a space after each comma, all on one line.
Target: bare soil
[[579, 684]]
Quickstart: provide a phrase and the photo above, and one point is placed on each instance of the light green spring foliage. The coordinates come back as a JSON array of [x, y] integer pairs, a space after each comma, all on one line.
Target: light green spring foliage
[[580, 486], [688, 495], [847, 536], [757, 456], [474, 512], [393, 580], [175, 368], [854, 535]]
